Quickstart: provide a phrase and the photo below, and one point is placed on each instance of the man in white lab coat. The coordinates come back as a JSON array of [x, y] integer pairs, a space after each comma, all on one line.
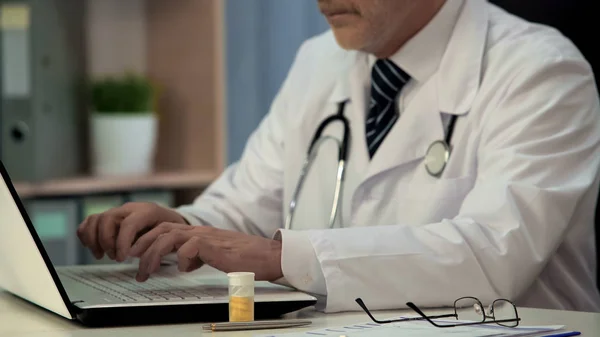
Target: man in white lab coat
[[511, 215]]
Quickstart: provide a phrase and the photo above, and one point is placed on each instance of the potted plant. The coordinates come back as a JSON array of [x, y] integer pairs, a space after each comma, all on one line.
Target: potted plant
[[123, 125]]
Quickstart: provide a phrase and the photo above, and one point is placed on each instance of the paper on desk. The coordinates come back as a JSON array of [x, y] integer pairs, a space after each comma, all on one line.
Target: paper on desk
[[419, 329]]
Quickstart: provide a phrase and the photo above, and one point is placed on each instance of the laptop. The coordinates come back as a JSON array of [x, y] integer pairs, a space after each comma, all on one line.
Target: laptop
[[109, 295]]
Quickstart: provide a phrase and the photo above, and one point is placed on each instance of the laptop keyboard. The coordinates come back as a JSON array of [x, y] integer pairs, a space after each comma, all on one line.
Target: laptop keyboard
[[123, 286]]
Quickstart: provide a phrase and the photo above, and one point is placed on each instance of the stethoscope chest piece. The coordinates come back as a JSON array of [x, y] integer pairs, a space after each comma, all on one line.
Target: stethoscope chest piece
[[436, 157]]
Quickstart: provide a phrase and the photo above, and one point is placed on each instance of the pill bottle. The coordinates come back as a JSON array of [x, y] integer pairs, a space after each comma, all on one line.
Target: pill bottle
[[241, 296]]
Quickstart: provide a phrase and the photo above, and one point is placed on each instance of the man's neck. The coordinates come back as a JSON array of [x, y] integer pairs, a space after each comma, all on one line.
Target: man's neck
[[420, 18]]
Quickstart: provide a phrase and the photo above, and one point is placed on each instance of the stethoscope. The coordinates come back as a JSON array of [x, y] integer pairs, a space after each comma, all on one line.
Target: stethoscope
[[436, 159]]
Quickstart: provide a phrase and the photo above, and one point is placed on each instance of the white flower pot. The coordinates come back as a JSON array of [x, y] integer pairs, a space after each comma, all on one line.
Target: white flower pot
[[122, 144]]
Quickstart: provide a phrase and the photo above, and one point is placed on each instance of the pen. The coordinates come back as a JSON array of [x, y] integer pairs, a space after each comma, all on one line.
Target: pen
[[565, 334], [254, 325]]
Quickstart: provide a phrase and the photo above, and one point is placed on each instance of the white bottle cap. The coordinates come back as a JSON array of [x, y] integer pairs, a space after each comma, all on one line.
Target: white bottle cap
[[241, 279]]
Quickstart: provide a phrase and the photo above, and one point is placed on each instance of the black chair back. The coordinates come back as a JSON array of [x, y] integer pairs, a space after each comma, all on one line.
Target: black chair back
[[576, 20]]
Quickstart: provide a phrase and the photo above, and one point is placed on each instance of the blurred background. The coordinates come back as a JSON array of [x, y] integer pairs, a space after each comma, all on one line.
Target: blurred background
[[108, 101]]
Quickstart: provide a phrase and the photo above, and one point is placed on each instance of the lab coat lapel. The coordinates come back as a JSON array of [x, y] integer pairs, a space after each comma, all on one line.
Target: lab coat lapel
[[459, 74], [451, 90]]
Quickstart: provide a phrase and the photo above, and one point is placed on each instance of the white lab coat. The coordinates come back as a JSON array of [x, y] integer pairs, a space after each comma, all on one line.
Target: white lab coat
[[512, 214]]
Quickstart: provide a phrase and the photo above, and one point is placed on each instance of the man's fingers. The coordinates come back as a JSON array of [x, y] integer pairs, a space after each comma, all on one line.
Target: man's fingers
[[108, 227], [190, 265], [81, 231], [131, 226], [163, 245], [89, 232], [91, 237], [146, 240], [188, 255]]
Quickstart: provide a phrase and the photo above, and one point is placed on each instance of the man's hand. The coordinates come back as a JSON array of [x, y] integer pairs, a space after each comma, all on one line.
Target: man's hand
[[114, 231], [227, 251]]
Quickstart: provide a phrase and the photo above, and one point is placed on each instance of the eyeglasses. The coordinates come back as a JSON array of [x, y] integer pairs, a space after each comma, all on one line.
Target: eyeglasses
[[502, 312]]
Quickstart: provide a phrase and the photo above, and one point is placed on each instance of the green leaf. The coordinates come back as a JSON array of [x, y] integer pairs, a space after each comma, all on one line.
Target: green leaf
[[128, 93]]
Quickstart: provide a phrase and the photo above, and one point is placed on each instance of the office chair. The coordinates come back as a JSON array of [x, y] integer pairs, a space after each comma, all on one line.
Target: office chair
[[573, 18]]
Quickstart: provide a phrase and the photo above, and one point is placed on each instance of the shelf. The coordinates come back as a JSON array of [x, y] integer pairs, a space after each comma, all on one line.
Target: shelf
[[182, 49], [97, 185]]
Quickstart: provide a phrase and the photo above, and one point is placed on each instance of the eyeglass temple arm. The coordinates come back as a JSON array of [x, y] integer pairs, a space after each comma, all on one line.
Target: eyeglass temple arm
[[364, 307], [428, 318]]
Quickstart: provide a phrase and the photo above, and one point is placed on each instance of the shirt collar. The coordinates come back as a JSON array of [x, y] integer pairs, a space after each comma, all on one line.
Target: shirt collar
[[421, 56], [456, 62]]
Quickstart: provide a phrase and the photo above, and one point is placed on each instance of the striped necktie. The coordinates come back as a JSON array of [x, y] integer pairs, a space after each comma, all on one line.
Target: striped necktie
[[387, 80]]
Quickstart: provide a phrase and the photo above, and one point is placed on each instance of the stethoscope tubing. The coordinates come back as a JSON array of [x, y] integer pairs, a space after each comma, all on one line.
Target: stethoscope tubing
[[339, 116], [317, 139]]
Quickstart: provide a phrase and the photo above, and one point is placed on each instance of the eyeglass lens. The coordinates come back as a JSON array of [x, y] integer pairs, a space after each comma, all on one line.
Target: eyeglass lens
[[501, 311], [504, 313], [469, 309]]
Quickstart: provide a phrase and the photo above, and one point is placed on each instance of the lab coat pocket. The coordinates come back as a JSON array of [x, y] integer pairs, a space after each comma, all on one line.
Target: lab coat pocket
[[433, 200]]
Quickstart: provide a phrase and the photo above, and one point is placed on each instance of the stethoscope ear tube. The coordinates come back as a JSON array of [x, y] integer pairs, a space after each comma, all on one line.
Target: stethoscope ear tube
[[450, 130], [316, 140], [343, 151], [343, 154]]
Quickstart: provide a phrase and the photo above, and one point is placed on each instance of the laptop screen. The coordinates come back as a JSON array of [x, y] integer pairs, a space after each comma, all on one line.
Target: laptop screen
[[25, 268]]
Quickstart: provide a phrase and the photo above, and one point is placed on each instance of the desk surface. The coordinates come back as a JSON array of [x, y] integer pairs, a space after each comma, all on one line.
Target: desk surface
[[19, 318]]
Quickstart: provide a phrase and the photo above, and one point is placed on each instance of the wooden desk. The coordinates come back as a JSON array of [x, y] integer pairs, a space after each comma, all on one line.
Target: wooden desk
[[18, 318]]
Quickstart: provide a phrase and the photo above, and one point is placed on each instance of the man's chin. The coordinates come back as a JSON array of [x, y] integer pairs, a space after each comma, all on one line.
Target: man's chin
[[348, 38]]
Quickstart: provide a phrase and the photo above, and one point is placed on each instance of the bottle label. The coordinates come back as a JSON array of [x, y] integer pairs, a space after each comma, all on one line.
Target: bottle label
[[241, 309]]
